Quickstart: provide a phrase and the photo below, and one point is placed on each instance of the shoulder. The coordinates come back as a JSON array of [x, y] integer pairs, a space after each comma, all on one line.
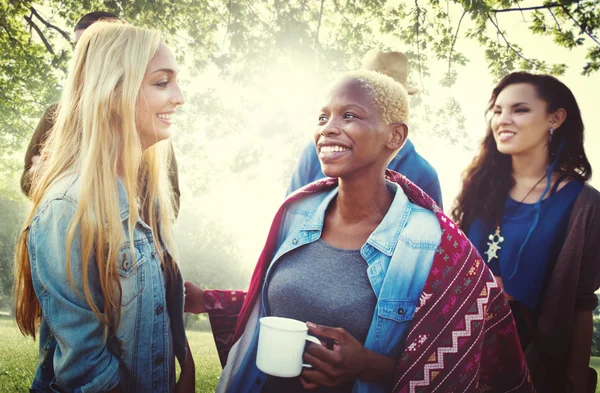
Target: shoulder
[[61, 197], [585, 216], [409, 161], [590, 195], [588, 201], [423, 224]]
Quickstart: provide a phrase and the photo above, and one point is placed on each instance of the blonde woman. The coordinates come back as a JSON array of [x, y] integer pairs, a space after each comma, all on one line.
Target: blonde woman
[[94, 266]]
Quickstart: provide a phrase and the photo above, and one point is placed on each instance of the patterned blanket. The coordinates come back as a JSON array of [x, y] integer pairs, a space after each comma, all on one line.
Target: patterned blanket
[[463, 337]]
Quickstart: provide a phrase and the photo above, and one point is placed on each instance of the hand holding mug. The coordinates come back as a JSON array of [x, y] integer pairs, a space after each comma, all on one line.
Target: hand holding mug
[[332, 367]]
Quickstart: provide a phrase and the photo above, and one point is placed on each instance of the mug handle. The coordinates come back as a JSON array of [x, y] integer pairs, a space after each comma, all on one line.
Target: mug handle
[[315, 340]]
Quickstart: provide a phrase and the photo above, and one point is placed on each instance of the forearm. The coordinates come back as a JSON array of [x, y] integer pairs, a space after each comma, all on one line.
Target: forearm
[[379, 368], [581, 342]]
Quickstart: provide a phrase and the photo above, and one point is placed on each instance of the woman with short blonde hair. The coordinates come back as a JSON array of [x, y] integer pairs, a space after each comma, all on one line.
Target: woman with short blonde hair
[[94, 263]]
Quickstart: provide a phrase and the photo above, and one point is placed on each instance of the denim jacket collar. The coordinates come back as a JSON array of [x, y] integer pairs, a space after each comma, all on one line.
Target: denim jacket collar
[[385, 237]]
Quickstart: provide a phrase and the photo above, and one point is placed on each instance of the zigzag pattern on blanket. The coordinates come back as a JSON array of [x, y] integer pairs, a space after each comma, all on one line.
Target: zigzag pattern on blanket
[[431, 370]]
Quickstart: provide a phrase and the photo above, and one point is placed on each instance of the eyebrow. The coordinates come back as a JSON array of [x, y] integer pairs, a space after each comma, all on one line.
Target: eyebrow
[[346, 107], [167, 70], [513, 105]]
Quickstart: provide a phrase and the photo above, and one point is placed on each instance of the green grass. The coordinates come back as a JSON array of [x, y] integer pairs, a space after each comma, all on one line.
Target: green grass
[[18, 359], [595, 363]]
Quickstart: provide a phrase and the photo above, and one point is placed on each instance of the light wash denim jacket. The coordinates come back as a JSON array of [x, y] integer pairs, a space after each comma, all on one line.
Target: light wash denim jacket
[[74, 357], [399, 255]]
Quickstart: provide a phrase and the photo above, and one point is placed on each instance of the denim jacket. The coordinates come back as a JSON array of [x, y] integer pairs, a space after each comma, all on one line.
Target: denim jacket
[[75, 357], [399, 255]]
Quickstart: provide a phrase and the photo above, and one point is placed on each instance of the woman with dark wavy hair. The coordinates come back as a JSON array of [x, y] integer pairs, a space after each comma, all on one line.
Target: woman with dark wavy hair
[[526, 205]]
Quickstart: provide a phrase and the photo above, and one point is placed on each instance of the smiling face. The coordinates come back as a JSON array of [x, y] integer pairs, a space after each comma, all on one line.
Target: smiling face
[[520, 121], [351, 137], [159, 96]]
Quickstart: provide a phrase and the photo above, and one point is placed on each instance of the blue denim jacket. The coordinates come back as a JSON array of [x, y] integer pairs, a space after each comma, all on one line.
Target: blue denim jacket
[[74, 356], [399, 255]]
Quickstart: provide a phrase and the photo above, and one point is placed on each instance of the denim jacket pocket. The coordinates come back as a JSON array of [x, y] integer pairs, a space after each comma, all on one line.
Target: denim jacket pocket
[[397, 310], [393, 323], [131, 274]]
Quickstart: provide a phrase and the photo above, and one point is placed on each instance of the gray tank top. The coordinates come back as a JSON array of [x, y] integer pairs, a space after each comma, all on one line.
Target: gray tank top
[[325, 285]]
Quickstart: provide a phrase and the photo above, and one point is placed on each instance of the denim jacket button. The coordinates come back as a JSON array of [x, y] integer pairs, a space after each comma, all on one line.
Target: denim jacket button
[[258, 381], [295, 241], [159, 360], [159, 309], [400, 311]]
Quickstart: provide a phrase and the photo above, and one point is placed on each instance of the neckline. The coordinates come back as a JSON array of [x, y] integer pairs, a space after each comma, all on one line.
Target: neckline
[[346, 250], [569, 184]]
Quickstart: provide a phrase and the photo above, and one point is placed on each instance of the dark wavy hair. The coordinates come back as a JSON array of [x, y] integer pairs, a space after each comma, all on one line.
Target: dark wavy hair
[[89, 19], [488, 180]]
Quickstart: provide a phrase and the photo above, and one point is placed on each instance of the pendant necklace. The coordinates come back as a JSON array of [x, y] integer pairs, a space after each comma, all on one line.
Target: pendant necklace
[[496, 238]]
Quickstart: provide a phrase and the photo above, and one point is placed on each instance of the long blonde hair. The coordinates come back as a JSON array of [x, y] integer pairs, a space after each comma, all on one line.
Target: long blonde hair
[[95, 137]]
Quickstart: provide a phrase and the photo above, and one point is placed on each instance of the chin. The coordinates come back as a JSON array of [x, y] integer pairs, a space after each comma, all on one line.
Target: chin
[[509, 151], [330, 172]]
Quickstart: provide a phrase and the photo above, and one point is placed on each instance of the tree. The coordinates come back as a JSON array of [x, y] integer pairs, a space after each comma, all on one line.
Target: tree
[[11, 211], [332, 34]]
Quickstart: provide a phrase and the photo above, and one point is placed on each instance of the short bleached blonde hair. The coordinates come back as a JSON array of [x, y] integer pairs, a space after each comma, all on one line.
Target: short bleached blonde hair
[[388, 95]]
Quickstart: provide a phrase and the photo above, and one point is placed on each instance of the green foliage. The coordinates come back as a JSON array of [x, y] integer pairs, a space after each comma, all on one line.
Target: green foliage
[[11, 212], [243, 37]]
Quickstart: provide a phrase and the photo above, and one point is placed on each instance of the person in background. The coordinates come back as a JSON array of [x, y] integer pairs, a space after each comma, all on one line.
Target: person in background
[[407, 162], [527, 207], [95, 271], [32, 155], [374, 267]]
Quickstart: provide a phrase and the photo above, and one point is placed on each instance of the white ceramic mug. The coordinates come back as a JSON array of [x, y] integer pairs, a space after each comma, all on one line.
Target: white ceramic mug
[[281, 345]]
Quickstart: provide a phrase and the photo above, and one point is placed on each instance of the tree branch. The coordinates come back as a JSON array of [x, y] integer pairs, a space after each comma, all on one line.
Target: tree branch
[[508, 45], [418, 9], [521, 9], [49, 25], [37, 29], [8, 33], [337, 8], [581, 27], [537, 7], [555, 20], [319, 25], [228, 22], [454, 41]]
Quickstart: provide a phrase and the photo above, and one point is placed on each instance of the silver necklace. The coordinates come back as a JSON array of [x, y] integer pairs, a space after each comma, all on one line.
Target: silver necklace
[[496, 238]]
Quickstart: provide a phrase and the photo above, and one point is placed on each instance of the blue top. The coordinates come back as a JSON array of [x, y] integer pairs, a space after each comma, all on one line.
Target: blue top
[[407, 162], [540, 253]]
